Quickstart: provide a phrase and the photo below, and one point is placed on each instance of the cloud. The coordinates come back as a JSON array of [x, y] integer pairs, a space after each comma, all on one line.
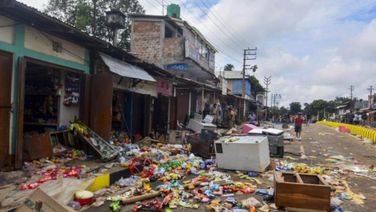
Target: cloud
[[312, 48], [39, 4], [354, 63]]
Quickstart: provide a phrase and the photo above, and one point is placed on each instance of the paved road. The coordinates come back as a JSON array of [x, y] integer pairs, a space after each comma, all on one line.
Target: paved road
[[320, 141]]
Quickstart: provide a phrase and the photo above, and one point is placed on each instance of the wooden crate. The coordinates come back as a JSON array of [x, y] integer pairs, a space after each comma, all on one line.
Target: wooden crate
[[306, 191]]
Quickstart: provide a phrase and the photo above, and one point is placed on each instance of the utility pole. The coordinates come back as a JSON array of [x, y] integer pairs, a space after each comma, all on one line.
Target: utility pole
[[370, 98], [351, 97], [370, 90], [351, 92], [267, 81], [163, 7], [252, 53], [274, 102], [249, 54]]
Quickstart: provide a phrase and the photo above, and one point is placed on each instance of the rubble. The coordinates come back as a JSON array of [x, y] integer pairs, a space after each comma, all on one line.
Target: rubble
[[168, 177]]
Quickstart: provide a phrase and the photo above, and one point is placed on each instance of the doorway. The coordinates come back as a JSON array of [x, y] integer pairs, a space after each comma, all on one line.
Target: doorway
[[49, 98]]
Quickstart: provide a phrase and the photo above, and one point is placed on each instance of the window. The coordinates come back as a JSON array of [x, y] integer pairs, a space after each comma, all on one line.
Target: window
[[170, 32]]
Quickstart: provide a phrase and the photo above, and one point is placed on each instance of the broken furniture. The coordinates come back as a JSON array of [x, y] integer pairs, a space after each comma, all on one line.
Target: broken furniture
[[287, 136], [242, 152], [198, 125], [37, 145], [275, 139], [102, 147], [200, 146], [305, 191]]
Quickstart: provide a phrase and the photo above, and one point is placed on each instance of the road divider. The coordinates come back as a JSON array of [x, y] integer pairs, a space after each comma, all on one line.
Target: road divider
[[364, 132]]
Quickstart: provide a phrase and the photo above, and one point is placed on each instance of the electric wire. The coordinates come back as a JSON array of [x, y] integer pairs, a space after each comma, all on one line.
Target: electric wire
[[220, 20], [225, 32], [219, 40]]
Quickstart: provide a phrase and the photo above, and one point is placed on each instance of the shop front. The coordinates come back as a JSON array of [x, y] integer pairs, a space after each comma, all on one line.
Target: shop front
[[131, 99], [41, 88], [161, 112]]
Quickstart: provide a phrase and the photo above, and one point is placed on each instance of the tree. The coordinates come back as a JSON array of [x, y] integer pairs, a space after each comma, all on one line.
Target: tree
[[308, 109], [295, 107], [283, 111], [229, 67], [256, 87], [90, 16]]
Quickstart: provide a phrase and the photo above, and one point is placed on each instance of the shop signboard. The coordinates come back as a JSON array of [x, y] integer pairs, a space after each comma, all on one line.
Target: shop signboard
[[177, 67], [164, 87]]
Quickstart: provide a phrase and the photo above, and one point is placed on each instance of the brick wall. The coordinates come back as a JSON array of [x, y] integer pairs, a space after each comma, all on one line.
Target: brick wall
[[173, 50], [146, 42]]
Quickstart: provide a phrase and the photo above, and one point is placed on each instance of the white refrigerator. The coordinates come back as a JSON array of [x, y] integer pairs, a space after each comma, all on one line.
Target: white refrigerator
[[243, 153]]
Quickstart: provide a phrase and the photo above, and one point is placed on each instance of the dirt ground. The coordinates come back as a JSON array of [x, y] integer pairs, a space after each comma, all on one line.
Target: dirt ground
[[320, 141], [317, 144]]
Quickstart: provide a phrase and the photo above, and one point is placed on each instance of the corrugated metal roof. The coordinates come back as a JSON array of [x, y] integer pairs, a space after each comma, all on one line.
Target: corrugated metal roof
[[125, 69]]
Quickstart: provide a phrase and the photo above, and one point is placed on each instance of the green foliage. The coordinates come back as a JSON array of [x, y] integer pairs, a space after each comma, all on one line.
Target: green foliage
[[277, 112], [321, 107], [256, 86], [229, 67], [295, 107], [90, 16], [283, 111]]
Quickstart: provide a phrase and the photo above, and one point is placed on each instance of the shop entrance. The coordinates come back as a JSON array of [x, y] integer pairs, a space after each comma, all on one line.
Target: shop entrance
[[5, 105], [160, 119], [48, 99], [121, 112], [141, 116]]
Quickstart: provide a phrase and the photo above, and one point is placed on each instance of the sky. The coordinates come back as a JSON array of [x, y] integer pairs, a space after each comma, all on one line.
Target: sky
[[313, 49]]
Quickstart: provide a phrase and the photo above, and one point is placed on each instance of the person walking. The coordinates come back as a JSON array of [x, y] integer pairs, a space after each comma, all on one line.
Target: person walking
[[298, 126], [231, 117]]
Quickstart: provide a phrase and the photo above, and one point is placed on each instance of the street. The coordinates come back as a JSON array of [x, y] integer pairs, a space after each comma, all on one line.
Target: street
[[319, 142], [192, 105]]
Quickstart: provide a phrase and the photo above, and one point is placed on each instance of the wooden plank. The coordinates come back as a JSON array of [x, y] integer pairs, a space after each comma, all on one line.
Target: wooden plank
[[173, 115], [5, 105], [20, 112], [182, 104], [101, 104], [37, 146], [84, 113]]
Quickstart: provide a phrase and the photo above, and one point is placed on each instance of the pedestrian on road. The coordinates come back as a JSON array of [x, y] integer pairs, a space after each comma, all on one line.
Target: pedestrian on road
[[298, 127]]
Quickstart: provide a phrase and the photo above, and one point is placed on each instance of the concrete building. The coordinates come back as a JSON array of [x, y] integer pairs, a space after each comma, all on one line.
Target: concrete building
[[51, 74], [176, 46], [235, 83]]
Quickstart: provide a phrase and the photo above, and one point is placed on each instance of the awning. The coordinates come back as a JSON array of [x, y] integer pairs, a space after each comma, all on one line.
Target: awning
[[125, 69]]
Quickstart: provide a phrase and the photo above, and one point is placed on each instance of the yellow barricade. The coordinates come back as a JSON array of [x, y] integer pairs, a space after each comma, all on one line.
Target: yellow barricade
[[364, 132]]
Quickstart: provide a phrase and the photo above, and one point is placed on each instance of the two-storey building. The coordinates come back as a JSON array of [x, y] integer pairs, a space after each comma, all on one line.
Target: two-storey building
[[176, 46]]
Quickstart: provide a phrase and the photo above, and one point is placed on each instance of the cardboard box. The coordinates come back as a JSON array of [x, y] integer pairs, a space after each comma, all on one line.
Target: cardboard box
[[40, 201]]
